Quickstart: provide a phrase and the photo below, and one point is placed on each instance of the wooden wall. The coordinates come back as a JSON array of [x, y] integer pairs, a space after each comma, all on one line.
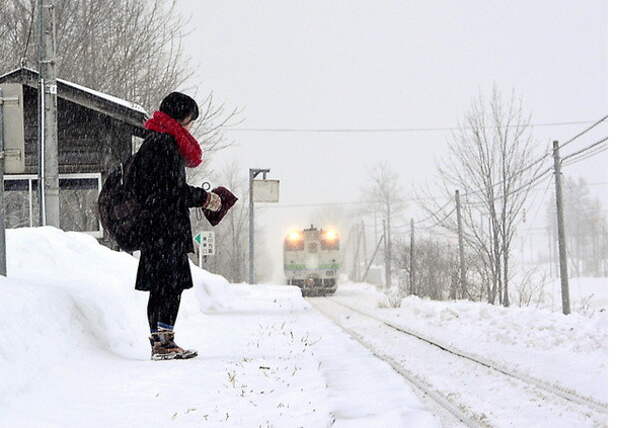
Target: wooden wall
[[88, 141]]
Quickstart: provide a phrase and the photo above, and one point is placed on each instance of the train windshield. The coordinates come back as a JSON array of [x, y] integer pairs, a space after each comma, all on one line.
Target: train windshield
[[330, 241], [294, 242]]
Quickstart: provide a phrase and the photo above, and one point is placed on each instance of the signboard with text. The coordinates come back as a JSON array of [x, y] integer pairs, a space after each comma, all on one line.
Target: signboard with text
[[205, 241]]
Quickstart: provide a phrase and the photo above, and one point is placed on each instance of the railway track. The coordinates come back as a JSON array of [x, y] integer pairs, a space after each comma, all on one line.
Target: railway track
[[593, 412]]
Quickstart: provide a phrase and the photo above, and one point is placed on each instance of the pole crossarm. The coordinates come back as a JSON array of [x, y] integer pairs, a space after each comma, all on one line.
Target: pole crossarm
[[254, 172]]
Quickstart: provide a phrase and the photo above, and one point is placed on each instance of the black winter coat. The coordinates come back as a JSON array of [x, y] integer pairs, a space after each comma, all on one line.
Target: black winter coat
[[158, 179]]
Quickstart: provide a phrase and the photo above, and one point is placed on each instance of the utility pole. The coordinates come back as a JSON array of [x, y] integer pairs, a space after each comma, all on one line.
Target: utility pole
[[356, 257], [376, 228], [388, 241], [461, 249], [412, 260], [2, 214], [386, 256], [364, 249], [372, 259], [48, 117], [561, 235], [254, 172]]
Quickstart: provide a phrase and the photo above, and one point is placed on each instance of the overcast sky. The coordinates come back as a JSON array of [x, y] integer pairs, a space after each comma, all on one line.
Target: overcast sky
[[392, 64]]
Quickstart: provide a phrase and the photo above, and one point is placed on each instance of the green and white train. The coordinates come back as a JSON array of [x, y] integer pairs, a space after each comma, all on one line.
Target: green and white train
[[312, 260]]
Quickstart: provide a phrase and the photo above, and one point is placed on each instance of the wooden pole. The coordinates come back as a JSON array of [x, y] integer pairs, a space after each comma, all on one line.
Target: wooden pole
[[461, 248], [2, 214], [561, 235], [372, 259], [412, 260], [48, 183], [386, 257]]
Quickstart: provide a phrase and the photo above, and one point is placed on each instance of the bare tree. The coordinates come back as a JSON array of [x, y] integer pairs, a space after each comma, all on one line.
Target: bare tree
[[132, 49], [235, 226], [586, 229], [384, 195], [493, 162], [231, 235]]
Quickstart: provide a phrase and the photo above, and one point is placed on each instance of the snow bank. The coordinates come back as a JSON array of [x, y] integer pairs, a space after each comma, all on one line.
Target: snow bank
[[587, 296], [95, 280], [66, 294]]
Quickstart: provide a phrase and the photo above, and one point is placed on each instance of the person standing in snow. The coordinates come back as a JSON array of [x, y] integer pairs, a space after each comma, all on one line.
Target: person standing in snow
[[157, 176]]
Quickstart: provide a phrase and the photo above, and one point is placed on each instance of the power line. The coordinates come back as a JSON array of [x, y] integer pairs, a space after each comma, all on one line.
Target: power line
[[429, 217], [543, 199], [579, 155], [584, 131], [540, 160], [586, 156], [388, 130], [531, 165], [536, 162], [438, 222], [599, 142], [316, 204], [529, 184], [337, 204], [432, 215]]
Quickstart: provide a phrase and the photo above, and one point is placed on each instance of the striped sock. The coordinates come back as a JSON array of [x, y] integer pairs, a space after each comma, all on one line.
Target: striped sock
[[164, 326]]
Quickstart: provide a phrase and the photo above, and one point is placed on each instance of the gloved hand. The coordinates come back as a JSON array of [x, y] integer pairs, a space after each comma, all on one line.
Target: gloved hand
[[214, 203]]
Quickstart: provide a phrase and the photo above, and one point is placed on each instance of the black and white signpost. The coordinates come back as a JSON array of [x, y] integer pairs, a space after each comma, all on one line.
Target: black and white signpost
[[206, 246]]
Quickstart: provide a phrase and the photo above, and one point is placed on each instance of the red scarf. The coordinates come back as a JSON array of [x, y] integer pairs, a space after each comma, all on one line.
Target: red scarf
[[188, 146]]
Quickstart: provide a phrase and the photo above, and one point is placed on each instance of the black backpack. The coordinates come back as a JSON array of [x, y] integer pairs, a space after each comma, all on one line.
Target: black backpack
[[119, 210]]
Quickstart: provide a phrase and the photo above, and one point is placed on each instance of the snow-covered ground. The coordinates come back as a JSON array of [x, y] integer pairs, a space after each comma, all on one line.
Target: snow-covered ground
[[565, 350], [74, 351]]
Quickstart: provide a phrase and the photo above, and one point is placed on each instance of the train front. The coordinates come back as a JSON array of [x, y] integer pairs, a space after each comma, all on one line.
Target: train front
[[312, 260]]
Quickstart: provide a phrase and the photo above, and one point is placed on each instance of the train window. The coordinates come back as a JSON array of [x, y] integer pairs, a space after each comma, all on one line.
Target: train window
[[294, 245], [330, 244]]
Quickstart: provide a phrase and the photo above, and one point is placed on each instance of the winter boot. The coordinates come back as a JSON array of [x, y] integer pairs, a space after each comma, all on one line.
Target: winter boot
[[164, 348]]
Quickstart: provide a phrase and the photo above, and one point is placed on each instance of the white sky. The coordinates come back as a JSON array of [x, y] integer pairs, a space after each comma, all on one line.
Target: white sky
[[391, 64]]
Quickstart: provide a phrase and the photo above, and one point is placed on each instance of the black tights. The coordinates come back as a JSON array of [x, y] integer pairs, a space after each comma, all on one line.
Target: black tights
[[162, 309]]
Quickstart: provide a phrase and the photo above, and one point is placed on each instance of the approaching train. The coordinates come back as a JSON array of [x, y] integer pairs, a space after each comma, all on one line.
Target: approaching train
[[312, 260]]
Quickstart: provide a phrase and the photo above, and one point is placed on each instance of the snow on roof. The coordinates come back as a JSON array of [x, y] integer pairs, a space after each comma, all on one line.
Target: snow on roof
[[107, 97], [16, 70], [111, 98]]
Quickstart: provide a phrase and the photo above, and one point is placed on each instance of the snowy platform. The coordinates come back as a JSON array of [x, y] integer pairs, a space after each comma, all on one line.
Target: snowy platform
[[75, 353]]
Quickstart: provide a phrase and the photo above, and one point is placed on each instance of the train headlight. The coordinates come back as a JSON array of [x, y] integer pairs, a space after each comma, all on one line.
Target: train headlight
[[330, 235], [294, 236]]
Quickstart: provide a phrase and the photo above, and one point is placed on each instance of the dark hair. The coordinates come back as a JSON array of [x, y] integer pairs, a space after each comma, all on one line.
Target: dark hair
[[179, 106]]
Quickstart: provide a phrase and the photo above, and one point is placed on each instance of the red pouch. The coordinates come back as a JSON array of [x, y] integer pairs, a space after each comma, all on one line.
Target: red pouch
[[228, 200]]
